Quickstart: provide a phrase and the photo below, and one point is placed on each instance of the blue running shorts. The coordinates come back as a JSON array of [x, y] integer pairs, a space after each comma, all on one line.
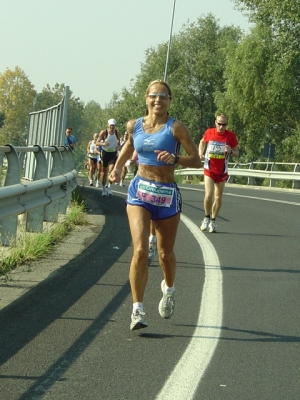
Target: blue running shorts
[[163, 200]]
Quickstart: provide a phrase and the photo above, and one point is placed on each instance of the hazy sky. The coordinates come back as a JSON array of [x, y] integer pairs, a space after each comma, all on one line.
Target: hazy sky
[[94, 46]]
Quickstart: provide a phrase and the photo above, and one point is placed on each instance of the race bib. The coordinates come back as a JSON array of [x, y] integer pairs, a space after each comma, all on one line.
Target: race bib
[[216, 149], [158, 195]]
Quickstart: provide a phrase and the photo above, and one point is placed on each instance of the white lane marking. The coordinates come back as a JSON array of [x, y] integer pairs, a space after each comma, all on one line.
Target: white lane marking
[[263, 199], [249, 197], [184, 379]]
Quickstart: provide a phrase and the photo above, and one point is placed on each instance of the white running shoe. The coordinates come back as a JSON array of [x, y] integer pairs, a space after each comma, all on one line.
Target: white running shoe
[[152, 251], [138, 320], [212, 226], [205, 224], [121, 183], [97, 184], [109, 192], [167, 303], [104, 191]]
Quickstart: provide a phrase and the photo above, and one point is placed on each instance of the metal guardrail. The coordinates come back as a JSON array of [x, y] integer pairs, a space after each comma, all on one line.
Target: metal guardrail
[[48, 193], [47, 128], [40, 199], [252, 173]]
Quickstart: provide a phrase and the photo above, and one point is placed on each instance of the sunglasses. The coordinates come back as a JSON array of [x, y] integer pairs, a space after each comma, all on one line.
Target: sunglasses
[[218, 123], [161, 96]]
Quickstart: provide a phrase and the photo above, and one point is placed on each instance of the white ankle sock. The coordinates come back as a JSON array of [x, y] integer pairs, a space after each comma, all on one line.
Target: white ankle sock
[[136, 306], [169, 290], [152, 239]]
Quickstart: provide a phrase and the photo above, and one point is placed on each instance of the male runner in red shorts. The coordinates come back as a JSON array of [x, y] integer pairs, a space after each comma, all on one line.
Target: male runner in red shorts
[[219, 144]]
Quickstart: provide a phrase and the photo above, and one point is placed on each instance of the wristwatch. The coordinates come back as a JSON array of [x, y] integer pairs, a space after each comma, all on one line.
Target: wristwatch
[[231, 151], [176, 158]]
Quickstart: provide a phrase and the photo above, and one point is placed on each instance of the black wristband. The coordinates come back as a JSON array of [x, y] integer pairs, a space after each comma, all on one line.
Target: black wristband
[[176, 158], [231, 151]]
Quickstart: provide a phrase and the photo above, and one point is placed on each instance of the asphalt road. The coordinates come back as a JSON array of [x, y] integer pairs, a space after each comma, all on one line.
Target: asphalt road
[[235, 333]]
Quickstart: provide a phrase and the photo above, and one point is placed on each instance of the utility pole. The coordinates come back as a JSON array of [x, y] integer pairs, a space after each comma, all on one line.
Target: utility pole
[[169, 45]]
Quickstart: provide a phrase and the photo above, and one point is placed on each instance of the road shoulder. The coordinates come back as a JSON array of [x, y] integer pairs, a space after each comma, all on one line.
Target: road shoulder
[[20, 280]]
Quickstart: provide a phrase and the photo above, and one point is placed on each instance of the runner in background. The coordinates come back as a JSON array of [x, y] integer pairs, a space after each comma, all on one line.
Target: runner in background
[[99, 165], [109, 140], [124, 170], [152, 242], [92, 157], [216, 146]]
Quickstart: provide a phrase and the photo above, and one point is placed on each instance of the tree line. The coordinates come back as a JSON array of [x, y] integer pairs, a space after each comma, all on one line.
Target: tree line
[[253, 77]]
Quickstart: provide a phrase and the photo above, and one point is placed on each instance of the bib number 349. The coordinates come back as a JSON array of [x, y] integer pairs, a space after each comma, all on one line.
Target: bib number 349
[[158, 195]]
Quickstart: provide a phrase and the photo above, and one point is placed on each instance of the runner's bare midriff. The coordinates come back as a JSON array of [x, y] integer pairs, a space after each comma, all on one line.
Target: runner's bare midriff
[[162, 174]]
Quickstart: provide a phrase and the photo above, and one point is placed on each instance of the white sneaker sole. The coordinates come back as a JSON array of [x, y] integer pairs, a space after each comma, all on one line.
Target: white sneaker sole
[[138, 325]]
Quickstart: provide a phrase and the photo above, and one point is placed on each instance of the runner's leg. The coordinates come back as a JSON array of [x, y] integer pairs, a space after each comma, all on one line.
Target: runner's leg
[[166, 230], [219, 189], [139, 222], [208, 197]]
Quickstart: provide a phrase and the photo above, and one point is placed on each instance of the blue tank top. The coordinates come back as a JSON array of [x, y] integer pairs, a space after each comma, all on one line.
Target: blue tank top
[[146, 143]]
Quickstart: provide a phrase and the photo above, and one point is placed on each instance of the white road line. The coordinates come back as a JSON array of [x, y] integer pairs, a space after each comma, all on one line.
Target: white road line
[[184, 379], [294, 203], [264, 199]]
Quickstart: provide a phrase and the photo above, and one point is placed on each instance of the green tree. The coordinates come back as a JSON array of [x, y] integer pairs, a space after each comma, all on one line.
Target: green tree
[[92, 115], [282, 16], [91, 118], [283, 19], [200, 52], [16, 101], [263, 80], [244, 99], [195, 73], [2, 119], [123, 107], [49, 97]]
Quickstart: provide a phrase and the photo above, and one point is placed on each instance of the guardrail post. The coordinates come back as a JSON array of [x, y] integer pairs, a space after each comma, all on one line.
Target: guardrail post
[[251, 179], [9, 225], [296, 184], [231, 177], [73, 183], [34, 218], [51, 211], [66, 155], [21, 159], [273, 181]]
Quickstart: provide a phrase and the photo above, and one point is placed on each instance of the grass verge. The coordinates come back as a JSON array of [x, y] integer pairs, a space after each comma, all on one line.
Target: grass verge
[[33, 246]]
